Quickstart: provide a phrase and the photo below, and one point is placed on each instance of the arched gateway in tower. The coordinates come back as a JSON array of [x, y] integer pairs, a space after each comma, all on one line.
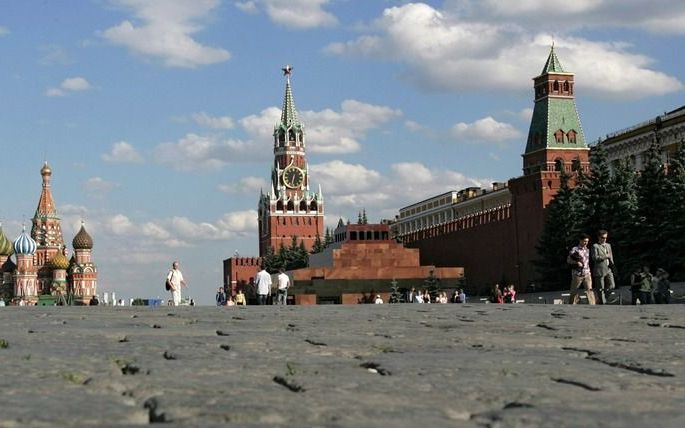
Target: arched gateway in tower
[[290, 209]]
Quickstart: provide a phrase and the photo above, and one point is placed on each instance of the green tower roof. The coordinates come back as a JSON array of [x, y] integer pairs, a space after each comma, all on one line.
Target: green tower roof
[[289, 113], [552, 65]]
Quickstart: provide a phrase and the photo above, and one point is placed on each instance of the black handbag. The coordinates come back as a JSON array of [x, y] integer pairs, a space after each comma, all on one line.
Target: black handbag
[[167, 283]]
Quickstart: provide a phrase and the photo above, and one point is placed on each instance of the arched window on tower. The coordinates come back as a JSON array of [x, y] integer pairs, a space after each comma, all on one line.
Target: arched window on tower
[[566, 87], [312, 206], [555, 86], [291, 206], [303, 206], [559, 136], [558, 164], [571, 136], [279, 205], [575, 165], [291, 135]]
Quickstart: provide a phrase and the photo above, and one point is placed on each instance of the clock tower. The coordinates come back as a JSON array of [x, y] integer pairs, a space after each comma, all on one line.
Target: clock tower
[[290, 209]]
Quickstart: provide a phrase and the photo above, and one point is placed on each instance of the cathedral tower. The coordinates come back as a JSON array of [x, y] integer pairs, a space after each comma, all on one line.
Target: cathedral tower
[[26, 275], [556, 143], [83, 273], [290, 209], [46, 231]]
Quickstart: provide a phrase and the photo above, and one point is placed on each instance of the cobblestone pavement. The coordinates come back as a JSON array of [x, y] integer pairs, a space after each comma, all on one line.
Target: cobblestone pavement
[[366, 365]]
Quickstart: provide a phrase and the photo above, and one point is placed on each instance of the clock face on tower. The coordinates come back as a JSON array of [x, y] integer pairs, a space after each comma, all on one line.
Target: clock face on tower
[[293, 177]]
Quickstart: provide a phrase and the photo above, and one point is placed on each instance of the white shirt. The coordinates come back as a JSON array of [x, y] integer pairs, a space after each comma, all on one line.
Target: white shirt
[[283, 281], [175, 277], [263, 282], [378, 301]]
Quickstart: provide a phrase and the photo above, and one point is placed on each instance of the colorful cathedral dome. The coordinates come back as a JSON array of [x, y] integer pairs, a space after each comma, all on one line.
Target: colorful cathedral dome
[[6, 248], [82, 240], [60, 261], [24, 244]]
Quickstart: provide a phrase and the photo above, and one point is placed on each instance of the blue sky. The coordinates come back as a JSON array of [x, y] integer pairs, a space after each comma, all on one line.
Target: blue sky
[[156, 116]]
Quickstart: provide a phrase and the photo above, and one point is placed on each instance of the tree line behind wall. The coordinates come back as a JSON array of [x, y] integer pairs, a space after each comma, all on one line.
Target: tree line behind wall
[[644, 213]]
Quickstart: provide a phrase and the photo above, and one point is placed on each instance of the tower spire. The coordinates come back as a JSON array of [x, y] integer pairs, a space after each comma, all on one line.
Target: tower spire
[[289, 113]]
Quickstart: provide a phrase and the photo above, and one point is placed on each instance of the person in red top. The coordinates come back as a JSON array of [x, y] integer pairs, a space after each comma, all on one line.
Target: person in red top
[[509, 294], [497, 296]]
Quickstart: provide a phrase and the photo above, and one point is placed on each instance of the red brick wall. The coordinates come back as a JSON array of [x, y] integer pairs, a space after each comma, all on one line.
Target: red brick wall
[[240, 271]]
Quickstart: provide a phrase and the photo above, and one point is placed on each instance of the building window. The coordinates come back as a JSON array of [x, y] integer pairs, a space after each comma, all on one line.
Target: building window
[[566, 87], [555, 86], [575, 165], [571, 136], [559, 136], [558, 165]]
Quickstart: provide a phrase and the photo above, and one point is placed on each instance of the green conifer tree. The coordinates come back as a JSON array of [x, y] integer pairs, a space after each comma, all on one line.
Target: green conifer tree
[[318, 245], [592, 193], [328, 237], [364, 219], [674, 226], [396, 296], [648, 233], [359, 218]]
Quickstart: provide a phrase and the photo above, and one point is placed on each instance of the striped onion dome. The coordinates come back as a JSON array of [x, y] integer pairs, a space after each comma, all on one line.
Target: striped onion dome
[[24, 244], [6, 248], [82, 240], [60, 261]]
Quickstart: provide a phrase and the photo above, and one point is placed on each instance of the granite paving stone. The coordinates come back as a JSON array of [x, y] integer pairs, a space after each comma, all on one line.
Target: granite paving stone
[[358, 365]]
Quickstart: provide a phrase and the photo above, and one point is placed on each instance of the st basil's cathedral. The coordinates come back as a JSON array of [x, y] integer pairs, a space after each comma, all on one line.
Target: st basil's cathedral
[[42, 272]]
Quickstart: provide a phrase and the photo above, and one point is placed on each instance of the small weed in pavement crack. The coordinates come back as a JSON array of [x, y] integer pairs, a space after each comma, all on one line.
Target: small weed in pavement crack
[[154, 415], [225, 347], [239, 318], [222, 333], [156, 326], [314, 342], [375, 368], [123, 339], [168, 355], [294, 387], [4, 344]]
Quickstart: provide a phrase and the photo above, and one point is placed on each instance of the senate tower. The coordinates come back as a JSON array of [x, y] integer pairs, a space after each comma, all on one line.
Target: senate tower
[[289, 209]]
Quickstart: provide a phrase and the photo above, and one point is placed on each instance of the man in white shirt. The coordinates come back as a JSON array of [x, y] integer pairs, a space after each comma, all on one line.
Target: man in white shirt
[[175, 280], [263, 282], [283, 284]]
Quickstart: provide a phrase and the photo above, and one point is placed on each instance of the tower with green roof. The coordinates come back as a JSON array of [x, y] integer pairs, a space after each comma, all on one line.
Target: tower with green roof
[[555, 140], [555, 143]]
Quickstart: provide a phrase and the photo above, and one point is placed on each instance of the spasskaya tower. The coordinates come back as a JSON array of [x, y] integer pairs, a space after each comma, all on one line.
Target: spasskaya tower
[[290, 209]]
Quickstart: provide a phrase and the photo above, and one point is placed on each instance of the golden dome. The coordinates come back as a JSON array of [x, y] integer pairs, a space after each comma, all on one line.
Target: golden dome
[[59, 262]]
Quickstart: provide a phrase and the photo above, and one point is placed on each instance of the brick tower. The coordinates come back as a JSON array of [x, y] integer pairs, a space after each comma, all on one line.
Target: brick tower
[[556, 143], [289, 209]]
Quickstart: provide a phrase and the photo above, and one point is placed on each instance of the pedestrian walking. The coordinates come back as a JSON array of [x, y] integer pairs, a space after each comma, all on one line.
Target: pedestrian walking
[[579, 261], [263, 283], [602, 267], [175, 281], [283, 285]]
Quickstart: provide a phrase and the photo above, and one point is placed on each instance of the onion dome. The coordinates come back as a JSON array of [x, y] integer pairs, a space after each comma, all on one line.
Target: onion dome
[[82, 240], [6, 248], [46, 170], [24, 244], [60, 261]]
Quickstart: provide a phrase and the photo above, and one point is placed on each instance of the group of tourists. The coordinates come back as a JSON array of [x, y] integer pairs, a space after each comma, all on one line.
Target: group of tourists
[[414, 296], [592, 268], [506, 294]]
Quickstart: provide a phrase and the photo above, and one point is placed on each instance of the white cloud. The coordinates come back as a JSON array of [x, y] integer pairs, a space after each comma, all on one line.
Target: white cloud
[[249, 185], [299, 14], [222, 122], [348, 185], [525, 114], [444, 50], [75, 84], [97, 186], [164, 30], [4, 31], [247, 6], [205, 153], [123, 152], [54, 55], [484, 130], [329, 131], [413, 126], [54, 92], [71, 84], [668, 17]]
